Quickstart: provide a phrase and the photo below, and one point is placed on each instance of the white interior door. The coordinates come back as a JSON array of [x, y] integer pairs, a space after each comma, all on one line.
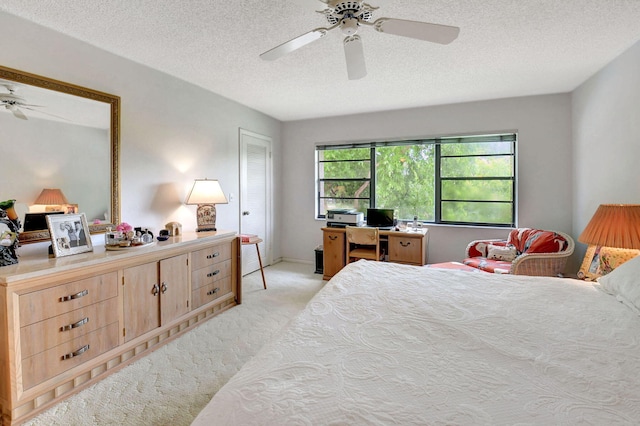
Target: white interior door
[[255, 197]]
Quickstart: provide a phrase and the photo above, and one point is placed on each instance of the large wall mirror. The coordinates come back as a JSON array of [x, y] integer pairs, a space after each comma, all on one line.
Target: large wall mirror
[[62, 136]]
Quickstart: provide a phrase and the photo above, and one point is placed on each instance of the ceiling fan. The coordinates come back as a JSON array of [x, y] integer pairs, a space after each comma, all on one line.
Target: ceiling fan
[[349, 16], [12, 102], [16, 103]]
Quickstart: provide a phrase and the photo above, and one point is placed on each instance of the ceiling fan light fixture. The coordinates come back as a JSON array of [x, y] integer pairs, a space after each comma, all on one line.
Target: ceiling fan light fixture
[[349, 26]]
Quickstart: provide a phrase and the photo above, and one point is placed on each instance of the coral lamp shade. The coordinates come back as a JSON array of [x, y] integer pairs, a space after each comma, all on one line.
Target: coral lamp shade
[[614, 225], [49, 197]]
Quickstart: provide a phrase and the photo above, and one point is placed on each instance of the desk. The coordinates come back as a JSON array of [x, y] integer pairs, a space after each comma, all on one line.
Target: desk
[[409, 247]]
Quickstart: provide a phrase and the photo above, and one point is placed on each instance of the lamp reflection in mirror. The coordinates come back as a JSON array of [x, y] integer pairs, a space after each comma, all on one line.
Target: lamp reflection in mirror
[[51, 197], [614, 225], [206, 193]]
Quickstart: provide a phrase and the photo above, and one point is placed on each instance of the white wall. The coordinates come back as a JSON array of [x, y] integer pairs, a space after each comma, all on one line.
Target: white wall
[[544, 164], [606, 129], [42, 154], [171, 131]]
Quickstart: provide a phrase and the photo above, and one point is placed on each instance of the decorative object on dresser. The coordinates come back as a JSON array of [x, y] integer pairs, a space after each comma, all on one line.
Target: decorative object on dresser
[[613, 235], [126, 236], [9, 232], [67, 325], [206, 194], [174, 229], [69, 234]]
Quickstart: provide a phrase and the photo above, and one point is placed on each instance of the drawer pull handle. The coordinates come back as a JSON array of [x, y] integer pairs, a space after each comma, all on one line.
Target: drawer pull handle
[[76, 353], [211, 256], [403, 244], [74, 296], [82, 322], [214, 273], [163, 288], [155, 290], [214, 291], [333, 237]]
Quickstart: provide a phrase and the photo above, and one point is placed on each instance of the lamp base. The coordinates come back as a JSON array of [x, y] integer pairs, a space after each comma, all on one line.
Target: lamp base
[[206, 214], [205, 229]]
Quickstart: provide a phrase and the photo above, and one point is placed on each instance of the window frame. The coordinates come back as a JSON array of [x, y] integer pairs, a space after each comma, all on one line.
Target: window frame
[[511, 137]]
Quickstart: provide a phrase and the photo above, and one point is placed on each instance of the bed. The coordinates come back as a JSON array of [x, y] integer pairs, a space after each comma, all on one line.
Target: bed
[[384, 343]]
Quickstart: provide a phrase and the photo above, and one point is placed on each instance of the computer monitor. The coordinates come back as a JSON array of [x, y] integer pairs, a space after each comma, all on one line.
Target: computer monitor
[[36, 221], [380, 218]]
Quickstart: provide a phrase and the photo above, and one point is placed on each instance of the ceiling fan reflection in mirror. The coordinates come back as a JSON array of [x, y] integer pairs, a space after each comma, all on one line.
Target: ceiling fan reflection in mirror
[[13, 102], [16, 103], [349, 16]]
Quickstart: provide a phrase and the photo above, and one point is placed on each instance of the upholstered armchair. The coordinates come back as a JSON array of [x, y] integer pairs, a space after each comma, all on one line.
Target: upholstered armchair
[[525, 252]]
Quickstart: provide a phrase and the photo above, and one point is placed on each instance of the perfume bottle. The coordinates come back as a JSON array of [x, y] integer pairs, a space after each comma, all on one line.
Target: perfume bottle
[[111, 237], [146, 237]]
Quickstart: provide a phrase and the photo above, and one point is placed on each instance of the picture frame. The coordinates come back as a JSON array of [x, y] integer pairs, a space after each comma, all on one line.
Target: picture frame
[[590, 267], [69, 234], [599, 261], [66, 208]]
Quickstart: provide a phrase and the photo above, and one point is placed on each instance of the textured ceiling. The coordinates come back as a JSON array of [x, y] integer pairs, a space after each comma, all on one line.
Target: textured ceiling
[[506, 48]]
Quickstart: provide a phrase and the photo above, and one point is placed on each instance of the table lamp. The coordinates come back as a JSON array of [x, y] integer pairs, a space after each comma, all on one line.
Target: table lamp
[[51, 197], [206, 194], [614, 225]]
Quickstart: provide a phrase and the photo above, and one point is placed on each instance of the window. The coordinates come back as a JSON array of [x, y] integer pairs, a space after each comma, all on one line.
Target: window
[[451, 180]]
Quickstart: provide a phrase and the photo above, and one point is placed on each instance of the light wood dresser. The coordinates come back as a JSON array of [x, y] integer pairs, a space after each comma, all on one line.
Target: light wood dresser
[[66, 323]]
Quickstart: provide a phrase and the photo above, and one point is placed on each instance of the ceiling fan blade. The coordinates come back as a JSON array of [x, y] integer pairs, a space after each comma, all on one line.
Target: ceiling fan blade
[[16, 112], [436, 33], [354, 53], [46, 113], [294, 44]]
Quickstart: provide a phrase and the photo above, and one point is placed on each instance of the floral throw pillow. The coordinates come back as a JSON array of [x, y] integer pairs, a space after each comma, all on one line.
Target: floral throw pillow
[[505, 253]]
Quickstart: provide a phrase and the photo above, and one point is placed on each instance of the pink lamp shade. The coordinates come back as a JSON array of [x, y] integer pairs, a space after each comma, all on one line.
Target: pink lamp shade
[[50, 197], [614, 225]]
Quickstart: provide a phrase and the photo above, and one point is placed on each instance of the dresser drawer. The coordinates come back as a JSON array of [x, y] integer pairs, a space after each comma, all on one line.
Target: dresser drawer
[[210, 256], [40, 367], [52, 332], [210, 274], [210, 292], [64, 298]]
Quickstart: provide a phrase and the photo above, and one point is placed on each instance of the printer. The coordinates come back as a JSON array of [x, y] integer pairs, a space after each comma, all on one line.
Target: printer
[[340, 218]]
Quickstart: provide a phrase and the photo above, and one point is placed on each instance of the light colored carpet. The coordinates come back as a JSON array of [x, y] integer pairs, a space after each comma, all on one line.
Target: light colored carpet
[[171, 385]]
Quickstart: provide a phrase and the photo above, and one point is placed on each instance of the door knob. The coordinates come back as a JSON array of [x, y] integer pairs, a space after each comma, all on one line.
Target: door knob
[[245, 213]]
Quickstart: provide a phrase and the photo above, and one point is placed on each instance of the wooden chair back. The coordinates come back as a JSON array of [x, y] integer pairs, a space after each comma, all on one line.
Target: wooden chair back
[[362, 243]]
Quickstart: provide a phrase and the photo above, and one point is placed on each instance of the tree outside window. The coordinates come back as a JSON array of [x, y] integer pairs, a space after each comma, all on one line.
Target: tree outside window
[[457, 180]]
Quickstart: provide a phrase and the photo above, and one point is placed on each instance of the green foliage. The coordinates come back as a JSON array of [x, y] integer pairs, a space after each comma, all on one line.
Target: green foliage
[[476, 182], [405, 180]]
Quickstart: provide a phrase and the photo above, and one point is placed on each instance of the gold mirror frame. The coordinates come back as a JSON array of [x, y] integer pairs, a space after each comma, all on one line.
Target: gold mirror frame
[[114, 135]]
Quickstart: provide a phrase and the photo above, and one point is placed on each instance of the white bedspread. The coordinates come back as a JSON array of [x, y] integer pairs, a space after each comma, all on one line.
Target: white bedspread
[[391, 344]]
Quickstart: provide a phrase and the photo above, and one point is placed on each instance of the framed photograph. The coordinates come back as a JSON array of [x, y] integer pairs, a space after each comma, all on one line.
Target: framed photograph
[[599, 261], [69, 234], [590, 268]]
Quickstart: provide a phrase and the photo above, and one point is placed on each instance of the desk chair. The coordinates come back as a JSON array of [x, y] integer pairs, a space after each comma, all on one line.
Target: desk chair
[[362, 243]]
